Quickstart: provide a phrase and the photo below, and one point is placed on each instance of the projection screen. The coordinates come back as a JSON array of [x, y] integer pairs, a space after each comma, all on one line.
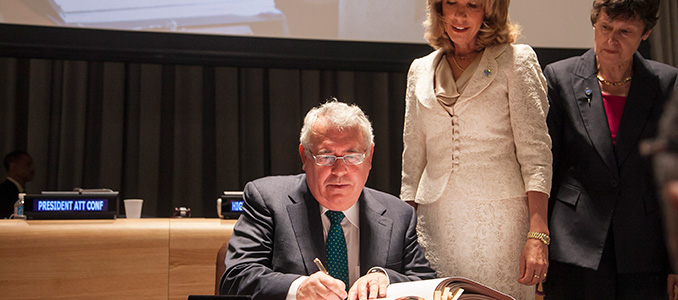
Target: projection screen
[[545, 23]]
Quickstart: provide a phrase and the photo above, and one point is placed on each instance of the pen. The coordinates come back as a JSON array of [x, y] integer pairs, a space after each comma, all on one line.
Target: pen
[[320, 265]]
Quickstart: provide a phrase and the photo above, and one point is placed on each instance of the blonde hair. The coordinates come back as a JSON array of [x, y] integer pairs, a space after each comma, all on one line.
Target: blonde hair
[[496, 28]]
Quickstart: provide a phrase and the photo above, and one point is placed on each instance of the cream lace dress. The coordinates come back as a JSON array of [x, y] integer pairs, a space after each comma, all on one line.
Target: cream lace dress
[[477, 228]]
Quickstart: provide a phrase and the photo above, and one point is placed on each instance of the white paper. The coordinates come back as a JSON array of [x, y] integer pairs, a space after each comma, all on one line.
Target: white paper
[[422, 288]]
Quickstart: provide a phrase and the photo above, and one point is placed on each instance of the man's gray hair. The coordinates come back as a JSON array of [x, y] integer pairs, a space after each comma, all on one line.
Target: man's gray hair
[[342, 116]]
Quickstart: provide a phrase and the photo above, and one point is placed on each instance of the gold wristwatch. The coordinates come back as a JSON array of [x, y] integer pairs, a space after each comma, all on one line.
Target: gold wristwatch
[[543, 237]]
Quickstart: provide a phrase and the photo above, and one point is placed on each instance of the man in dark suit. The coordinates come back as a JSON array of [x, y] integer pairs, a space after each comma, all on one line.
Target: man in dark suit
[[605, 220], [286, 221], [20, 170], [664, 150]]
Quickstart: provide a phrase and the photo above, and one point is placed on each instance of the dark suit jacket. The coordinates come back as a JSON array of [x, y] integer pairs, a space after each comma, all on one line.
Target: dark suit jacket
[[599, 187], [8, 195], [280, 233]]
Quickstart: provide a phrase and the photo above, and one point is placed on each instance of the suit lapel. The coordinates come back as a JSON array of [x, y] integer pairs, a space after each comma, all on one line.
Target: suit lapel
[[485, 74], [375, 233], [593, 112], [304, 212], [637, 109], [425, 89], [480, 80]]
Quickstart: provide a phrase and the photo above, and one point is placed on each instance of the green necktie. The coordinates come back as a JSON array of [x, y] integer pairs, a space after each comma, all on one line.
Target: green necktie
[[335, 248]]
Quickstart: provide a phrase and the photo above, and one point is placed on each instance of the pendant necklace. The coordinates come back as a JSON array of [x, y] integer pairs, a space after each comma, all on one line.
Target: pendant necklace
[[457, 64]]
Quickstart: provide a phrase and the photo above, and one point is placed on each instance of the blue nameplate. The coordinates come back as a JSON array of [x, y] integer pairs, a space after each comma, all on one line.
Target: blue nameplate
[[71, 205]]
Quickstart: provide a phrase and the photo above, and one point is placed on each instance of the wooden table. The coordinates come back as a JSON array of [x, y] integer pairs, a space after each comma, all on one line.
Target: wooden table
[[110, 259]]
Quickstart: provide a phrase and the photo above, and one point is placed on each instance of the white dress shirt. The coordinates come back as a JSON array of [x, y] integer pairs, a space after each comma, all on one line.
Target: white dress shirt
[[18, 186], [351, 226]]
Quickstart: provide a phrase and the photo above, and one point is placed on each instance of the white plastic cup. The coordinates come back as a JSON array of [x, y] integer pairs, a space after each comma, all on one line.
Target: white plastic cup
[[133, 208]]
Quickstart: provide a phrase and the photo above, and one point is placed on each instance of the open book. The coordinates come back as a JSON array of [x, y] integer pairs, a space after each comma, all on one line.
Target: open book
[[450, 288]]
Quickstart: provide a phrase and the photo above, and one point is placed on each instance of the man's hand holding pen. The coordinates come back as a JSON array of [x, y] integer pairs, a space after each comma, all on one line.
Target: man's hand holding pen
[[321, 285]]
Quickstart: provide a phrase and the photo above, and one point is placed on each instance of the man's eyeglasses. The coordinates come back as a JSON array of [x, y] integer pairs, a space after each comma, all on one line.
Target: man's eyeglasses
[[329, 160]]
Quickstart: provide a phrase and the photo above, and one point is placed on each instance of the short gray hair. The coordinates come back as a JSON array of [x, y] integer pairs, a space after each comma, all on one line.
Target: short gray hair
[[342, 116]]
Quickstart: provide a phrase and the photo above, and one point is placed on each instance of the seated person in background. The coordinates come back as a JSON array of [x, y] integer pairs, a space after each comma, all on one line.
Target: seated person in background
[[290, 220], [20, 170]]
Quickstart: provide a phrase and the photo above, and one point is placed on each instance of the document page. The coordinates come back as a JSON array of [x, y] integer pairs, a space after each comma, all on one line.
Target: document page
[[422, 288]]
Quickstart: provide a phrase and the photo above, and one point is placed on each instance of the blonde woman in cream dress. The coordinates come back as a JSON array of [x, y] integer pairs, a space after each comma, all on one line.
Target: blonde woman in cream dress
[[477, 159]]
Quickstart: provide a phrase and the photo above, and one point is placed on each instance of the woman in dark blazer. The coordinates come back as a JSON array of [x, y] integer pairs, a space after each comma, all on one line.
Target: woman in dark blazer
[[605, 219]]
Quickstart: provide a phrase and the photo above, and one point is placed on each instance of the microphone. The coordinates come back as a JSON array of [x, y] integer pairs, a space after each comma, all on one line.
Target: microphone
[[588, 93]]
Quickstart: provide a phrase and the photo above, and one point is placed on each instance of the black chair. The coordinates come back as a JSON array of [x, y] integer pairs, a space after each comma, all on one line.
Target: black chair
[[221, 268]]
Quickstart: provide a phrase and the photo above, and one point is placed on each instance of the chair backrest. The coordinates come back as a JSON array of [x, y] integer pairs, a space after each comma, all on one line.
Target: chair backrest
[[226, 199], [221, 267]]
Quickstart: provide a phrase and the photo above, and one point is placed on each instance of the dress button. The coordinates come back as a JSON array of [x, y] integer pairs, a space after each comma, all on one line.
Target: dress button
[[614, 183]]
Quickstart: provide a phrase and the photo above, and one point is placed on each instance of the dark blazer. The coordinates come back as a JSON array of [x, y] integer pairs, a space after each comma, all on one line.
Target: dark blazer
[[9, 193], [599, 187], [280, 233]]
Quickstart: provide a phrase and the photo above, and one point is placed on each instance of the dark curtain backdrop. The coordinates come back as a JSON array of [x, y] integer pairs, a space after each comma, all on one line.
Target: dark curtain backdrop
[[179, 135], [663, 38], [175, 119]]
